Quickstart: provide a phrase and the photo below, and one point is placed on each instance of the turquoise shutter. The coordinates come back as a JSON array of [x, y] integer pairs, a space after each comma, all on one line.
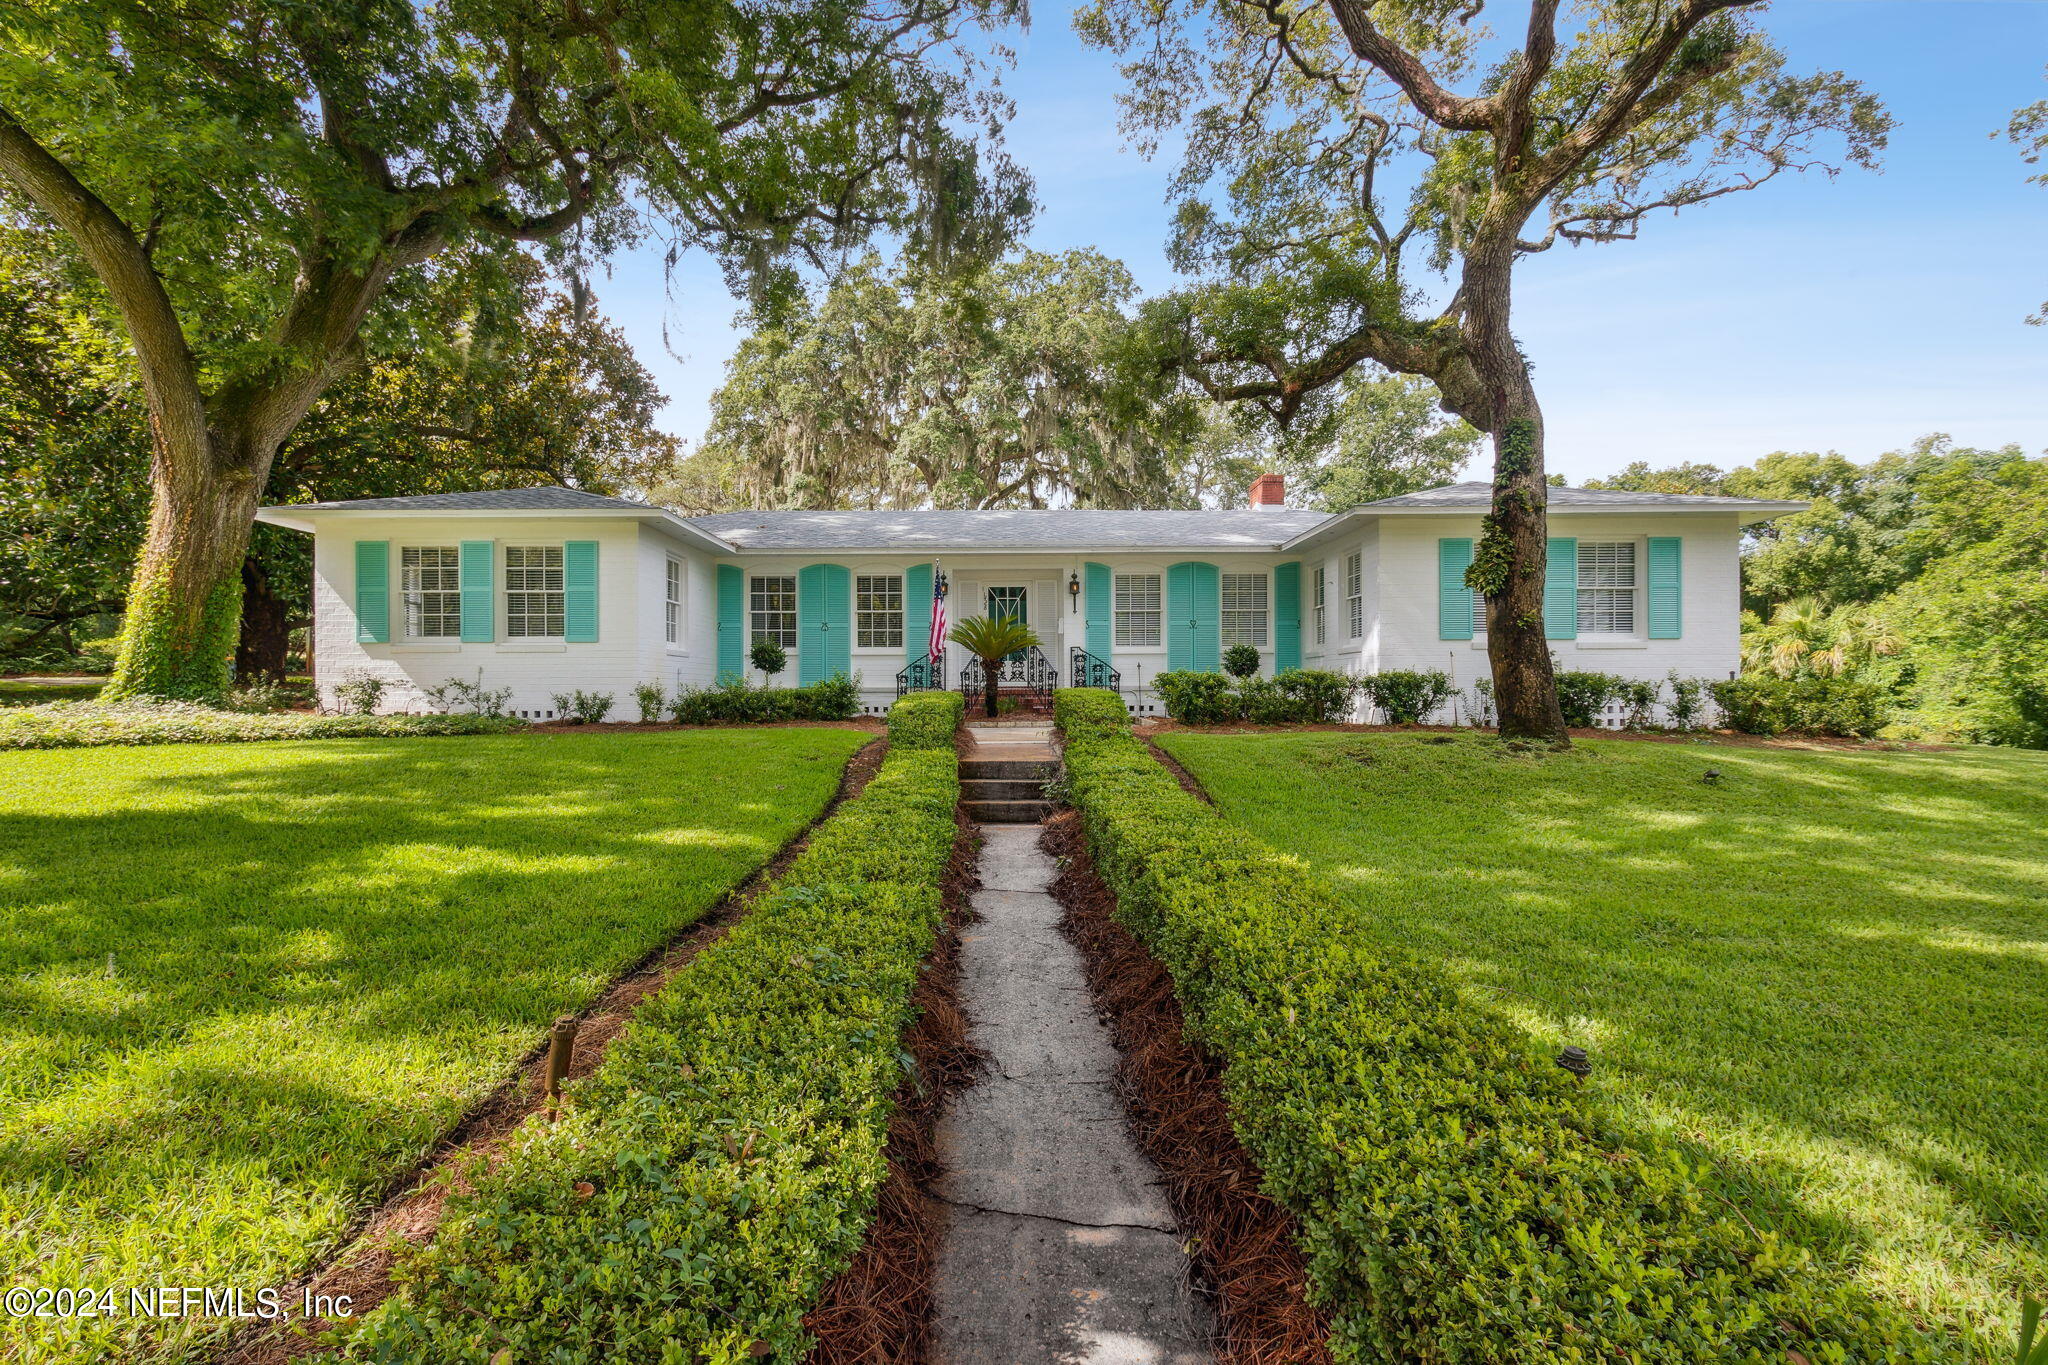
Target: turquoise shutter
[[579, 592], [1194, 623], [1208, 619], [479, 605], [373, 592], [732, 623], [1101, 610], [1561, 589], [1667, 591], [1453, 597], [824, 619], [917, 613], [1286, 617]]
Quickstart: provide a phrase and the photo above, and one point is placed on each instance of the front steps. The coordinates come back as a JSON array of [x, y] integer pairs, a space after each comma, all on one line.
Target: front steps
[[1004, 770]]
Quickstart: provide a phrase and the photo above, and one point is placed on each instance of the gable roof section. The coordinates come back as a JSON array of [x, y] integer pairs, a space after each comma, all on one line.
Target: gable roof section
[[1022, 529], [543, 499]]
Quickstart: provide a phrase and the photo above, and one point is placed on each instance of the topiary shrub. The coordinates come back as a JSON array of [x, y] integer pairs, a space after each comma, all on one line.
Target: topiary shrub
[[1240, 661], [1408, 697], [1196, 698], [769, 657]]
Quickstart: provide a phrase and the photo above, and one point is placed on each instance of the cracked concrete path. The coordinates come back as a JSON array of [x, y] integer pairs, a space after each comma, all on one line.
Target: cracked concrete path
[[1060, 1248]]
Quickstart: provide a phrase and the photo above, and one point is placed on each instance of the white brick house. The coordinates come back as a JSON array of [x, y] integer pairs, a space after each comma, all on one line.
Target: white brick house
[[546, 589]]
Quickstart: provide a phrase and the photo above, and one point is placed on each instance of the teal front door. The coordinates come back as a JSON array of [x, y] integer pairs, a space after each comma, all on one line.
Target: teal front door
[[1008, 604]]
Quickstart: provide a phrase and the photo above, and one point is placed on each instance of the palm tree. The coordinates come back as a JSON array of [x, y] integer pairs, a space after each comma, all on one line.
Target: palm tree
[[991, 640]]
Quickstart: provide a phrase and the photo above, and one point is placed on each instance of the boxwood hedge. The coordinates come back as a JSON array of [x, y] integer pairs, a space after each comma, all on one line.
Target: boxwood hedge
[[1459, 1198], [721, 1165]]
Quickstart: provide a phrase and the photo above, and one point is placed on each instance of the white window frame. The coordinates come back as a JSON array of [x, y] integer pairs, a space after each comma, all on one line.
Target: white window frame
[[1249, 622], [1354, 592], [1139, 609], [767, 583], [877, 627], [1609, 583], [414, 595], [526, 603], [673, 582], [1322, 596]]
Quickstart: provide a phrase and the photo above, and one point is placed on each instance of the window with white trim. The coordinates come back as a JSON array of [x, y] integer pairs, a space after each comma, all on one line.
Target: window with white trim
[[1607, 587], [672, 603], [772, 601], [1245, 615], [1137, 611], [1478, 612], [533, 592], [1354, 592], [430, 583], [878, 610], [1322, 598]]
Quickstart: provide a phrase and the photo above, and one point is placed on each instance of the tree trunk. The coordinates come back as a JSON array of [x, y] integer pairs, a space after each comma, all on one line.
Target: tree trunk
[[265, 647], [989, 669]]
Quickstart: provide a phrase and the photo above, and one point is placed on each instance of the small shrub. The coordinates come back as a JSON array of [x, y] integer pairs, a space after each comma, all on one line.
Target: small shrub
[[1262, 702], [1240, 661], [1408, 697], [1195, 698], [1582, 695], [481, 701], [652, 700], [1318, 696], [1638, 697], [263, 697], [1765, 704], [583, 708], [360, 694], [768, 657], [1480, 708], [1688, 705]]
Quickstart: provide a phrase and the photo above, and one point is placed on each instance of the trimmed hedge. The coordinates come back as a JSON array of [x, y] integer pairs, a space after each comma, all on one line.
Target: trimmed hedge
[[736, 703], [926, 720], [85, 724], [1764, 704], [1293, 696], [722, 1163], [1459, 1198]]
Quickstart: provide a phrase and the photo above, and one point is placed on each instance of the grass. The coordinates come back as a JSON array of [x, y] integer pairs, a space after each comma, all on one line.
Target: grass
[[1826, 972], [242, 986], [15, 692]]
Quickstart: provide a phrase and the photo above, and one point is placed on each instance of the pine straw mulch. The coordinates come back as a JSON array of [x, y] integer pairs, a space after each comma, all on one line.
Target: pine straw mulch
[[1244, 1243], [879, 1310], [411, 1211]]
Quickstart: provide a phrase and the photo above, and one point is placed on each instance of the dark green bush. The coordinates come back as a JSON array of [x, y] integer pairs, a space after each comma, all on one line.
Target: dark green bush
[[736, 703], [1765, 704], [75, 725], [1581, 695], [925, 720], [1460, 1197], [1240, 661], [1092, 713], [1197, 698], [1408, 697], [722, 1164]]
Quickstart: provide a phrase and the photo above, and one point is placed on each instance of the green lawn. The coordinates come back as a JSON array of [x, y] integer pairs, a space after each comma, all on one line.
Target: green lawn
[[1827, 972], [15, 692], [241, 986]]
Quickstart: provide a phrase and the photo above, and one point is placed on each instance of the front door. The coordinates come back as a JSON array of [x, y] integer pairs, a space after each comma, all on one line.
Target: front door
[[1008, 603]]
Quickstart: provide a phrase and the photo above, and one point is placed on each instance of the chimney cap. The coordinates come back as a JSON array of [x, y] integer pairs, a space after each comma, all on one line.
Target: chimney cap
[[1269, 490]]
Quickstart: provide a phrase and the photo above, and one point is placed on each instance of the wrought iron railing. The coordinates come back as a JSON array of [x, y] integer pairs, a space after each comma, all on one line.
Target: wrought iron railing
[[1027, 668], [924, 675], [1090, 671]]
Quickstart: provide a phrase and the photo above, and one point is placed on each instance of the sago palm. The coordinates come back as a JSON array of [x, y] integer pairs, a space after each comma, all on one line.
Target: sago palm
[[991, 640]]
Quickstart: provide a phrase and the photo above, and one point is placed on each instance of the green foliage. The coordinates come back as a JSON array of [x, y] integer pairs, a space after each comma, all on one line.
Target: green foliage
[[583, 708], [992, 639], [1294, 696], [652, 700], [1457, 1193], [925, 720], [1582, 694], [170, 656], [768, 656], [272, 977], [722, 1164], [1408, 697], [14, 692], [1763, 704], [736, 703], [262, 697], [1086, 714], [1198, 698], [360, 694], [85, 724], [1710, 965], [1241, 661], [450, 693], [1687, 705]]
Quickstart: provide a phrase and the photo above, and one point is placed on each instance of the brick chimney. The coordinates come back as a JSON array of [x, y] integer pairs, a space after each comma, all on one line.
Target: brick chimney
[[1269, 491]]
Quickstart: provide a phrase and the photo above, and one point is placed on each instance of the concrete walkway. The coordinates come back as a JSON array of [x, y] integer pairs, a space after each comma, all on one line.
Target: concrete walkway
[[1059, 1248]]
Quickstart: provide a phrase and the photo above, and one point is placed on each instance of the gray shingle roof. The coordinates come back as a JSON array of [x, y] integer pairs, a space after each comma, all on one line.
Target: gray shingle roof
[[544, 499], [1024, 529], [1481, 495]]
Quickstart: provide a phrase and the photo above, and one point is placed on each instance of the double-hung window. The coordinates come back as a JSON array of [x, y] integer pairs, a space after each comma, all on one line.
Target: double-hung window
[[672, 603], [1607, 587], [1354, 593], [1137, 611], [1244, 609], [878, 611], [1322, 582], [772, 599], [533, 592], [430, 581]]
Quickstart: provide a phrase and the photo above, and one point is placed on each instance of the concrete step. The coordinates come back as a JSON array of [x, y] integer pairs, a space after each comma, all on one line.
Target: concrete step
[[1006, 812], [1007, 769], [1002, 789]]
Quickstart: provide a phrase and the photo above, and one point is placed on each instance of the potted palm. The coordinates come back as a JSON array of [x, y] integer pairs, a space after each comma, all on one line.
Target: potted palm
[[991, 640]]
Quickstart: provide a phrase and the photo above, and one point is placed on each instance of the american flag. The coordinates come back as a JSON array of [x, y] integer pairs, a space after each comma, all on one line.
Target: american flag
[[937, 645]]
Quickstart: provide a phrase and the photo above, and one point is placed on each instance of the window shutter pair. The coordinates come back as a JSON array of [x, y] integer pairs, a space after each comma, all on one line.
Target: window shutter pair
[[1100, 609], [824, 619], [1194, 617], [1561, 588], [476, 580]]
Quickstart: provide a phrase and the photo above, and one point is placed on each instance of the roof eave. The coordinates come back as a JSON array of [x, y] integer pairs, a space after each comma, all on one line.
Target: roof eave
[[305, 516]]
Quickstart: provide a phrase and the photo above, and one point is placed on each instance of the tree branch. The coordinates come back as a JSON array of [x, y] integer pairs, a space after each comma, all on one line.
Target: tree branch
[[1457, 112]]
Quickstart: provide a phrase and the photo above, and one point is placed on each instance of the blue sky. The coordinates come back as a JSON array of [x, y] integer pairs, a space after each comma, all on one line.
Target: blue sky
[[1852, 314]]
